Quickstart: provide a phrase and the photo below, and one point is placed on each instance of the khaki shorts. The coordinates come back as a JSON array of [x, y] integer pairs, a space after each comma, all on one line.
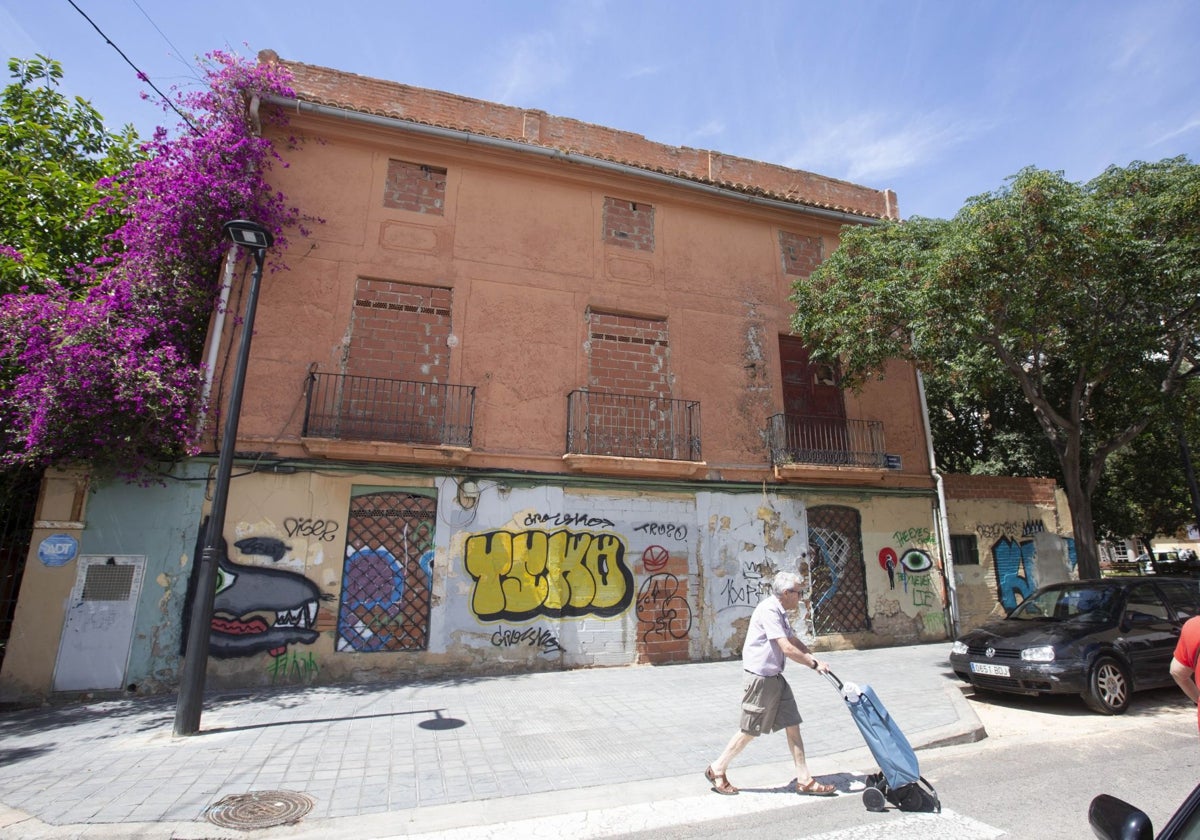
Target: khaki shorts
[[767, 704]]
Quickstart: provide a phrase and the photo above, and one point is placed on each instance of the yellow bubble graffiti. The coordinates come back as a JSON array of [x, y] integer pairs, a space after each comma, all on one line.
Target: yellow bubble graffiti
[[520, 575]]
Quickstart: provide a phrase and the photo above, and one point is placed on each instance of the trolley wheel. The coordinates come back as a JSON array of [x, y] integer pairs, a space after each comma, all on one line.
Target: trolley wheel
[[874, 800]]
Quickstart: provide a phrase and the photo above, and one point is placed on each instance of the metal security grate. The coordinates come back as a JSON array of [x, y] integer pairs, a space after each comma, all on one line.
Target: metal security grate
[[108, 582], [388, 573], [838, 575]]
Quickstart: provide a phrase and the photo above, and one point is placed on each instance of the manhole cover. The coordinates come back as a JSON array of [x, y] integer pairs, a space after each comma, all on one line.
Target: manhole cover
[[259, 809]]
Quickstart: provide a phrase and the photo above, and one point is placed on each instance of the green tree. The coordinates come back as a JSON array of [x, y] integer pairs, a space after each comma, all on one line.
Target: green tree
[[1086, 296], [53, 151], [982, 425], [1144, 492]]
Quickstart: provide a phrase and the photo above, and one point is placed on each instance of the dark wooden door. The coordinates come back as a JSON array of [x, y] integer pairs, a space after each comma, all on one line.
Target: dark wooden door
[[809, 389]]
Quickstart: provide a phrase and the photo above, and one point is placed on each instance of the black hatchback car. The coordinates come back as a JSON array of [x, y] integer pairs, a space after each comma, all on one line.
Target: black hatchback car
[[1101, 639]]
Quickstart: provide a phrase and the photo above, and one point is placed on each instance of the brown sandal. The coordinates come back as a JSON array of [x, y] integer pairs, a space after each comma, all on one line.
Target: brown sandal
[[720, 782], [815, 788]]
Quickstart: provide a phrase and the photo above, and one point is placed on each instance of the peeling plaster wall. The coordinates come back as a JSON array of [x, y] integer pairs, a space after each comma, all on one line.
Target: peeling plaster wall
[[335, 575], [1022, 543], [159, 523], [747, 539]]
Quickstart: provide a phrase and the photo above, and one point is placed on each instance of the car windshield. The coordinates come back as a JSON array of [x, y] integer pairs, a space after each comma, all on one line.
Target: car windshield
[[1083, 603]]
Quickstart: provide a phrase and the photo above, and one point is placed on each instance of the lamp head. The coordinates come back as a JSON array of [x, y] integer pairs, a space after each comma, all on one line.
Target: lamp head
[[248, 234]]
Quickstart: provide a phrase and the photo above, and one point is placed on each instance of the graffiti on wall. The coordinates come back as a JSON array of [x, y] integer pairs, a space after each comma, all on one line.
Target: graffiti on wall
[[1015, 576], [257, 608], [292, 668], [919, 536], [566, 520], [670, 530], [325, 530], [749, 585], [537, 637], [923, 594], [662, 608], [1011, 530], [521, 575]]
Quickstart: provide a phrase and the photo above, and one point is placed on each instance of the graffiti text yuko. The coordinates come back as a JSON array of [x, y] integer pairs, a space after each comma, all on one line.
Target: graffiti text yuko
[[548, 573]]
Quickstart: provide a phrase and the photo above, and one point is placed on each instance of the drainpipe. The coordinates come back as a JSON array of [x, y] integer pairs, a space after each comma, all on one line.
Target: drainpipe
[[214, 341], [943, 521]]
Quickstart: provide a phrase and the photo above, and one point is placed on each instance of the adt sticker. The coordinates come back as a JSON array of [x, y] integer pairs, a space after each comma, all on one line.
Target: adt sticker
[[58, 549]]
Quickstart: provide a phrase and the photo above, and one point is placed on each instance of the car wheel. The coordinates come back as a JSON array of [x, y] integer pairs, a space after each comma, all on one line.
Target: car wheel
[[1108, 687]]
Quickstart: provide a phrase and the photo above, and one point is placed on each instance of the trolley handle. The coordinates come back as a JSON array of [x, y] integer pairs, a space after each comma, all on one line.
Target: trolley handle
[[833, 678]]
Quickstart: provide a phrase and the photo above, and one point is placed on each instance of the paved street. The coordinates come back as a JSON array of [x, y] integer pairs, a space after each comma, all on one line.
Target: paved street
[[583, 753]]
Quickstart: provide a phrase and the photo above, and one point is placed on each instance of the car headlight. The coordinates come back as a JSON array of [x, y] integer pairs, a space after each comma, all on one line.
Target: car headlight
[[1043, 653], [959, 648]]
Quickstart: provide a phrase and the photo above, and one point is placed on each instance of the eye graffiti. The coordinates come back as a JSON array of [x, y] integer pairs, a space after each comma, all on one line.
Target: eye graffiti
[[916, 560]]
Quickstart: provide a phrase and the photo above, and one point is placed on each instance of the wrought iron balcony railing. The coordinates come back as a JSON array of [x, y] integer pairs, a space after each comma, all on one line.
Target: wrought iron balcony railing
[[632, 427], [825, 441], [398, 410]]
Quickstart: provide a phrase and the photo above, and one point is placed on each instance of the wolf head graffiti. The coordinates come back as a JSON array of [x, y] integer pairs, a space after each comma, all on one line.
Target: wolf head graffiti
[[257, 608]]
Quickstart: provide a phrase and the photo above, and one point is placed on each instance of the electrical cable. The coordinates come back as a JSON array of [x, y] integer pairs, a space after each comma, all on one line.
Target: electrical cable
[[141, 76]]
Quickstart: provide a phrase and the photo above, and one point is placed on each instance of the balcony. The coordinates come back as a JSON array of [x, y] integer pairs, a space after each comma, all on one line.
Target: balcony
[[387, 419], [621, 434], [825, 442]]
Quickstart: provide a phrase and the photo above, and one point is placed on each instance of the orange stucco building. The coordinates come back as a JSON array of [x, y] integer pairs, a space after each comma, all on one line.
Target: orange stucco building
[[526, 397]]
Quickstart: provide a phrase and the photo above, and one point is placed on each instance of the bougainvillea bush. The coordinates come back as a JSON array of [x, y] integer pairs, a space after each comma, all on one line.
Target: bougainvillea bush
[[106, 368]]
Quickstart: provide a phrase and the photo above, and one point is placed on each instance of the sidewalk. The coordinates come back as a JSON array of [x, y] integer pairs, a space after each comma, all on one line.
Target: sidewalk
[[581, 753]]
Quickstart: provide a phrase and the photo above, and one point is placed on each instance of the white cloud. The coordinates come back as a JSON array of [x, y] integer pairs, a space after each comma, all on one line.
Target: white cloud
[[545, 59], [712, 128], [14, 40], [873, 146], [1191, 125], [643, 71]]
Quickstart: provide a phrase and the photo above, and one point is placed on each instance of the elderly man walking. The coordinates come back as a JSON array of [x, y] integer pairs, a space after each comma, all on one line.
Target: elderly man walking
[[767, 701]]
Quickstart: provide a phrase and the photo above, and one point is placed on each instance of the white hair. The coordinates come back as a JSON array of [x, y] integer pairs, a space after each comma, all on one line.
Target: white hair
[[784, 581]]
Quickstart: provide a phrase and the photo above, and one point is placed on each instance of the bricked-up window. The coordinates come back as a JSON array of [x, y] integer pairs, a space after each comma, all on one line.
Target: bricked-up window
[[629, 224], [415, 187], [800, 254], [629, 355], [964, 549], [400, 331]]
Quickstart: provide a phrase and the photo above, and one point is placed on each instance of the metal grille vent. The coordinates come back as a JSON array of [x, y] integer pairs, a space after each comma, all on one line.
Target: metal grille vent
[[108, 582]]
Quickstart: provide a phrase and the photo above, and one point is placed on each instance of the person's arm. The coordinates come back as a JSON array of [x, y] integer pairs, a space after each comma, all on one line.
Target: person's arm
[[1185, 678], [797, 651]]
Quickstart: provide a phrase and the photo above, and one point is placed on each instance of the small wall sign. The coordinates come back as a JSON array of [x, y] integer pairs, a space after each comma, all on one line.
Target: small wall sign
[[58, 549]]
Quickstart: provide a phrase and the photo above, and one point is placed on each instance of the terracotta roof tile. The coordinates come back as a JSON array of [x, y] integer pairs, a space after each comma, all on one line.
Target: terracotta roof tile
[[438, 109]]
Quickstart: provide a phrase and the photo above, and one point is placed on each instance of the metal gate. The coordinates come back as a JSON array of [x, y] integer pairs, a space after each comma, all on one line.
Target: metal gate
[[388, 573], [839, 589], [18, 504]]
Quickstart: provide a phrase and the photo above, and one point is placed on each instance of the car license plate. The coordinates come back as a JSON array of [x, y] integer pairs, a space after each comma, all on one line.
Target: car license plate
[[989, 669]]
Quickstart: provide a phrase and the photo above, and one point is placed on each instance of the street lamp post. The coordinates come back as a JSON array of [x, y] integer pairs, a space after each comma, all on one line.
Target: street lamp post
[[257, 240]]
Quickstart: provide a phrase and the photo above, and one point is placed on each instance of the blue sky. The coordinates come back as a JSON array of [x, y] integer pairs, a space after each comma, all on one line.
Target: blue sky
[[939, 100]]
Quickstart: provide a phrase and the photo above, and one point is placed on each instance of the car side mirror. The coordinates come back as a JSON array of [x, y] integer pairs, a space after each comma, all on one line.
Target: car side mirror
[[1115, 819]]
